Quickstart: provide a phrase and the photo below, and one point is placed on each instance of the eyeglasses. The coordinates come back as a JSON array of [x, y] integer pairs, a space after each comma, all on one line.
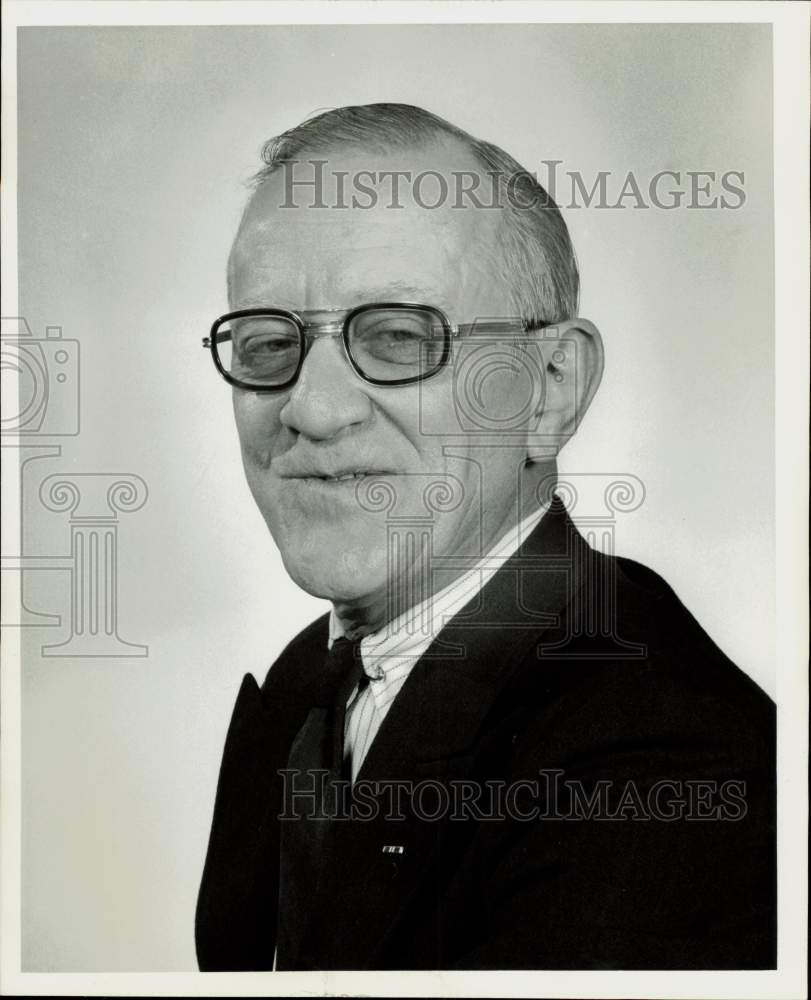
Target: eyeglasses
[[386, 343]]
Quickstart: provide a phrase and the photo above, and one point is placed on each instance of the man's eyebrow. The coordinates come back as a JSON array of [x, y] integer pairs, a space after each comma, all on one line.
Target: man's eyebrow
[[265, 302], [395, 290]]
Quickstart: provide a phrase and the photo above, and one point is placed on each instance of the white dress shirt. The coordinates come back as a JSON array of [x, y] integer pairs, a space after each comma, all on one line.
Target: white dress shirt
[[390, 654]]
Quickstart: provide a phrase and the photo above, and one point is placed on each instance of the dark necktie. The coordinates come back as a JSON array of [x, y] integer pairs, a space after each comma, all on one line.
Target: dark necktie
[[340, 673], [305, 845], [343, 667], [344, 660]]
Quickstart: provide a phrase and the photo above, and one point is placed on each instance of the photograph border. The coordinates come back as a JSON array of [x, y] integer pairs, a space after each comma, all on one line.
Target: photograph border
[[791, 225]]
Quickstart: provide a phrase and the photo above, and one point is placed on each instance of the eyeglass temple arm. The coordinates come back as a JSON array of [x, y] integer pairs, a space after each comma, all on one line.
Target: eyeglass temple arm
[[219, 338], [498, 326]]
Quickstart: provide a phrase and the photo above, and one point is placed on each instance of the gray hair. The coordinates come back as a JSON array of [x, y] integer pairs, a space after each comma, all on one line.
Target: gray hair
[[536, 256]]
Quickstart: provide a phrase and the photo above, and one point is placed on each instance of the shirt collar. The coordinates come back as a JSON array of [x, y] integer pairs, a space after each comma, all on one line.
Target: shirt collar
[[410, 634]]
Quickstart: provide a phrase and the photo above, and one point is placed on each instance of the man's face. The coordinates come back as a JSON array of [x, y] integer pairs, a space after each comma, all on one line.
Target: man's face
[[331, 421]]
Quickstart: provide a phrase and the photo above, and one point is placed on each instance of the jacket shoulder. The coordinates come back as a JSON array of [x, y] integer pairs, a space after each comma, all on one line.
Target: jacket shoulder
[[667, 680], [677, 638]]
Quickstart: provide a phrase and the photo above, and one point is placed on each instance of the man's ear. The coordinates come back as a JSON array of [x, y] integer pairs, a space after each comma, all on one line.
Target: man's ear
[[572, 357]]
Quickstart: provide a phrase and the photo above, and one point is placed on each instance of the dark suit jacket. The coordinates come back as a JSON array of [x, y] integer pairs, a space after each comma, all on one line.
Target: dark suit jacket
[[635, 762]]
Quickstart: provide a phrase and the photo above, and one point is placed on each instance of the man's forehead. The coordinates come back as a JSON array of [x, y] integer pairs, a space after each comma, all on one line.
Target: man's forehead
[[347, 262], [374, 196], [291, 239]]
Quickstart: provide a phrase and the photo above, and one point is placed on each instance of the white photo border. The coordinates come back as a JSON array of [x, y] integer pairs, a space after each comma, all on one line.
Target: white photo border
[[791, 91]]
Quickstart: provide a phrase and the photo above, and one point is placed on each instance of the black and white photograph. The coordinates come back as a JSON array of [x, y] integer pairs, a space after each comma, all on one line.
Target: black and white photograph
[[405, 492]]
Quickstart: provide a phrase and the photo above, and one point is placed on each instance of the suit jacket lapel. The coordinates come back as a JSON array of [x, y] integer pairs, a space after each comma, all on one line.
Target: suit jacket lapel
[[236, 908], [446, 695], [236, 920], [428, 736]]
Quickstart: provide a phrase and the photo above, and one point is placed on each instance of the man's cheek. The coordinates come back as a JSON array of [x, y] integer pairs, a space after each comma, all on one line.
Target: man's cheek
[[256, 417]]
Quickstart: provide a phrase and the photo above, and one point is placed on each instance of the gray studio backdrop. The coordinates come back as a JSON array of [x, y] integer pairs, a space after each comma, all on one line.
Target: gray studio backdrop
[[150, 584]]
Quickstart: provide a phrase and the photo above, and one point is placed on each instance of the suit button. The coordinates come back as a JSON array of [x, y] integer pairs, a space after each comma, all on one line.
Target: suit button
[[394, 869]]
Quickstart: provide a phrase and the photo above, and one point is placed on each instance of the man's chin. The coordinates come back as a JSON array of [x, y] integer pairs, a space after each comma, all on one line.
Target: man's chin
[[342, 578]]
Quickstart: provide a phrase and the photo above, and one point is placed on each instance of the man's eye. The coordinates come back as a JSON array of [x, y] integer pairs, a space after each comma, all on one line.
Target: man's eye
[[401, 334], [397, 341], [264, 346]]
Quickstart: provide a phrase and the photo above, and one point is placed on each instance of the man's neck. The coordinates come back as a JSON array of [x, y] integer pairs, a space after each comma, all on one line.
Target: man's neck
[[418, 581]]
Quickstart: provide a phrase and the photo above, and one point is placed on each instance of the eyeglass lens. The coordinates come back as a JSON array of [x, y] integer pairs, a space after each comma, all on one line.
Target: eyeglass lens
[[385, 344]]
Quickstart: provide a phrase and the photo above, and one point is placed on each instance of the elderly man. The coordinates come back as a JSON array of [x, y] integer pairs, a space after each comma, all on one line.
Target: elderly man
[[501, 748]]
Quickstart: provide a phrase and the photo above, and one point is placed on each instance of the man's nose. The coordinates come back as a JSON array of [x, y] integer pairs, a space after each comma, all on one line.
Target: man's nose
[[328, 396]]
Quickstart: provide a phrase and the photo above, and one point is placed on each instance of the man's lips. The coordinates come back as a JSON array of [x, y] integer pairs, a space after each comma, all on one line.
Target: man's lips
[[344, 477], [340, 475], [313, 467]]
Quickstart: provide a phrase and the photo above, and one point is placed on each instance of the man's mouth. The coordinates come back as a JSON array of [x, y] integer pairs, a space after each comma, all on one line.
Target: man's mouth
[[342, 476], [345, 477], [326, 472]]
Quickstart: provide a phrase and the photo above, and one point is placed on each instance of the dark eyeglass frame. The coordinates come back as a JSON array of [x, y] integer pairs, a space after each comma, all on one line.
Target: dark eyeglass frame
[[341, 328]]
